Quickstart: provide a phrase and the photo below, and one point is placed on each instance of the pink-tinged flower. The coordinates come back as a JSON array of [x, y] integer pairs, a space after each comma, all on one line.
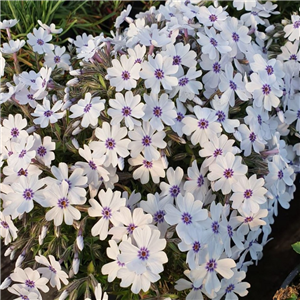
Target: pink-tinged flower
[[39, 41], [45, 114], [146, 253], [52, 271], [111, 143], [62, 210], [159, 110], [248, 194], [129, 221], [265, 90], [226, 171], [124, 74], [208, 271], [155, 168], [188, 215], [203, 126], [110, 203], [128, 108], [158, 71], [89, 109], [292, 31], [147, 140]]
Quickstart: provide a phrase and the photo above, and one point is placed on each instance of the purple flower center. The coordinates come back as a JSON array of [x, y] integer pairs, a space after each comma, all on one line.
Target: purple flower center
[[254, 13], [143, 253], [259, 119], [125, 75], [183, 81], [138, 61], [157, 111], [196, 247], [22, 153], [218, 152], [120, 264], [30, 96], [200, 181], [68, 182], [174, 191], [63, 203], [229, 231], [41, 151], [179, 117], [298, 114], [213, 42], [186, 218], [48, 113], [293, 57], [14, 132], [266, 89], [269, 70], [252, 137], [52, 269], [228, 173], [110, 144], [22, 172], [197, 288], [159, 216], [24, 297], [92, 165], [230, 288], [146, 141], [30, 283], [215, 227], [296, 24], [87, 108], [28, 194], [211, 265], [4, 224], [213, 18], [159, 74], [126, 111], [232, 85], [280, 174], [235, 37], [131, 227], [221, 116], [248, 219], [176, 60], [216, 67], [56, 59], [40, 42], [203, 124], [44, 83], [147, 164], [106, 212], [248, 194]]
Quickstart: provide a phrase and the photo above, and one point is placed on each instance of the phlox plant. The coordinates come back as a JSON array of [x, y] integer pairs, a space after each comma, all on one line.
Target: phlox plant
[[148, 164]]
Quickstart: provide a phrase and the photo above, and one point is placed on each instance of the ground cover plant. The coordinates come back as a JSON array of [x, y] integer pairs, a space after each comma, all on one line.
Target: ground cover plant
[[148, 164]]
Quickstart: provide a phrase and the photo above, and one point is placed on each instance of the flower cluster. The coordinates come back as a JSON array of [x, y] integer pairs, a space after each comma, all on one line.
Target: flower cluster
[[165, 147]]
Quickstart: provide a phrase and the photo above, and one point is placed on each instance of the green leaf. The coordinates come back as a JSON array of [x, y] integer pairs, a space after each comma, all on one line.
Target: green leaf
[[296, 247], [293, 297]]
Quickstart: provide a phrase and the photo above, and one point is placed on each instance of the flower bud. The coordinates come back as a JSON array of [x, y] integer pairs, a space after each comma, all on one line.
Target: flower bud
[[5, 284], [79, 241]]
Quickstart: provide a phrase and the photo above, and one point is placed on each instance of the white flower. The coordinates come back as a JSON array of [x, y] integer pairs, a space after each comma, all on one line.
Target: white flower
[[158, 71], [12, 46], [58, 58], [292, 31], [12, 128], [187, 216], [154, 167], [128, 108], [159, 111], [290, 52], [144, 139], [24, 293], [111, 143], [181, 110], [52, 271], [248, 194], [124, 74], [292, 113], [110, 203], [7, 229], [62, 210], [46, 114], [38, 40], [51, 28], [44, 149], [226, 171], [8, 23], [203, 126], [146, 253], [249, 4], [89, 109], [2, 65]]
